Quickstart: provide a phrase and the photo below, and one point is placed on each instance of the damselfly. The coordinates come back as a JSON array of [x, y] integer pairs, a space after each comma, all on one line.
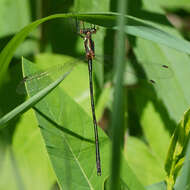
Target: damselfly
[[86, 35]]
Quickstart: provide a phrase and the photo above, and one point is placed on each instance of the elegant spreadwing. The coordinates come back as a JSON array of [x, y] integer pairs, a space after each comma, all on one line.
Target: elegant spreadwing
[[89, 46], [86, 35]]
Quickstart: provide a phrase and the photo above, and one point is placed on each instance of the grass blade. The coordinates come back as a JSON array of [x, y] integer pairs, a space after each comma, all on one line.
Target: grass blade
[[117, 122], [32, 101], [135, 27]]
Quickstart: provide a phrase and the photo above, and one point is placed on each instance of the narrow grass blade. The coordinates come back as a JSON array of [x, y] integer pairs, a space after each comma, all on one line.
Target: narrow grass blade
[[117, 121], [32, 101], [136, 27]]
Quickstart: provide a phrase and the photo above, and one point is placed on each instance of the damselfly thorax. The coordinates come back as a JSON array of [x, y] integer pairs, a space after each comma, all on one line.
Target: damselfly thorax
[[86, 34]]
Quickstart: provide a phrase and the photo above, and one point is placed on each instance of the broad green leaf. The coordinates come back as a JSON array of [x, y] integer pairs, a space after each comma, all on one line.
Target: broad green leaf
[[80, 93], [157, 186], [69, 143], [77, 92], [8, 172], [144, 162], [128, 176], [170, 94], [19, 17], [176, 150], [176, 84], [26, 160], [169, 88], [107, 184], [157, 135], [69, 137], [175, 4], [10, 24], [31, 155], [128, 180], [154, 134]]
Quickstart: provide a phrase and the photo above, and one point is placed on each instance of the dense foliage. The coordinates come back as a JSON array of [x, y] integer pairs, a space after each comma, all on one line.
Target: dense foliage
[[46, 129]]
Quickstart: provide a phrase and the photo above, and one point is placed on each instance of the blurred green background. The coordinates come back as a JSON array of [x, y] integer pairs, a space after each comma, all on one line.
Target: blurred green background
[[153, 110]]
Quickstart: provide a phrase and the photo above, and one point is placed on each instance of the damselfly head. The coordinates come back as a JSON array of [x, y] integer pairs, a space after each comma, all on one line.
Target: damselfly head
[[88, 31]]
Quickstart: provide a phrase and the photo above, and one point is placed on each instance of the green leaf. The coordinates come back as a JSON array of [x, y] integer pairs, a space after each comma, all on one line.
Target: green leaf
[[175, 4], [106, 20], [123, 186], [175, 84], [144, 162], [31, 155], [157, 186], [19, 17], [150, 55], [55, 62], [33, 100], [26, 160], [129, 177], [154, 133], [69, 137], [169, 95]]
